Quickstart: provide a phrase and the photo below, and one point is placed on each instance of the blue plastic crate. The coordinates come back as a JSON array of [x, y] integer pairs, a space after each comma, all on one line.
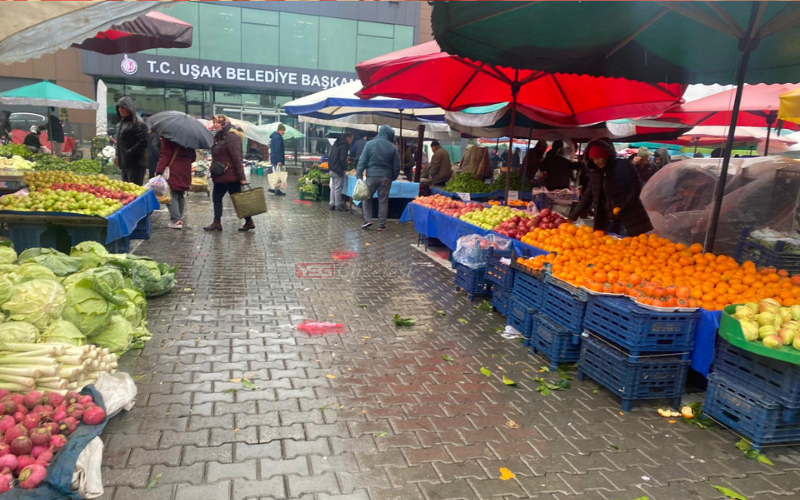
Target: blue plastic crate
[[748, 413], [472, 281], [78, 234], [563, 307], [555, 342], [528, 290], [763, 256], [500, 275], [637, 329], [773, 378], [122, 245], [25, 235], [500, 301], [520, 316], [662, 377], [143, 229]]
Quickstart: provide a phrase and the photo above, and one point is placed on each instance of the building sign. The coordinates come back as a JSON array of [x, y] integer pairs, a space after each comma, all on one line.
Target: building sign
[[178, 69]]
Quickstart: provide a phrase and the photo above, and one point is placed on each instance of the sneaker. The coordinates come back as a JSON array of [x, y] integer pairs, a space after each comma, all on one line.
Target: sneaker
[[175, 225], [279, 193], [366, 225], [381, 228], [332, 207], [270, 190]]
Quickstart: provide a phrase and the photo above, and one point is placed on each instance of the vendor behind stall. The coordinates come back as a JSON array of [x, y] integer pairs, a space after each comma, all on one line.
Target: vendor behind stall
[[440, 170], [32, 139]]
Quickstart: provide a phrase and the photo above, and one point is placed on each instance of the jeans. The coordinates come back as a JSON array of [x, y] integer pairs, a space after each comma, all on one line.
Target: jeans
[[134, 175], [383, 185], [176, 205], [337, 185], [219, 192]]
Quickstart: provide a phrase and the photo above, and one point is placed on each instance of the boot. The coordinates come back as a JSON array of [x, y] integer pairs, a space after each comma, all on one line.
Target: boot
[[247, 226], [215, 226]]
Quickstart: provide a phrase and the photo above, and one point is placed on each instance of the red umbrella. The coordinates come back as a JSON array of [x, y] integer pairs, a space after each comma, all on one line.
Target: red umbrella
[[154, 30], [425, 73]]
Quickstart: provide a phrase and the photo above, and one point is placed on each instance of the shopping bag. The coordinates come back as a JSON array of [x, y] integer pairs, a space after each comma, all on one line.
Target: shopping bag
[[361, 191], [158, 185], [249, 202], [165, 198], [278, 178]]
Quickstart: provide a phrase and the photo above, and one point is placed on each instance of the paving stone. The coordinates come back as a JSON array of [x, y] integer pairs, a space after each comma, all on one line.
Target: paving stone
[[222, 454], [135, 477], [139, 456], [457, 490], [323, 483], [346, 462], [292, 448], [351, 481], [192, 474], [239, 470]]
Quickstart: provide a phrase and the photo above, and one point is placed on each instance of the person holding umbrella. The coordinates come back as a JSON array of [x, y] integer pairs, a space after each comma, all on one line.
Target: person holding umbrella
[[178, 160]]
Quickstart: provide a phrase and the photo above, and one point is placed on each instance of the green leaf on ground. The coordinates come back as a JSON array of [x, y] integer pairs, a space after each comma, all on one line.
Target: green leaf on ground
[[249, 385], [139, 377], [508, 381], [486, 371], [400, 321], [363, 306], [322, 408], [463, 321], [565, 376], [520, 341], [764, 460], [380, 434], [751, 453], [440, 312], [152, 484], [446, 357], [544, 390], [567, 367], [614, 446], [485, 306], [544, 369], [596, 390], [743, 445], [231, 391], [729, 492], [500, 329]]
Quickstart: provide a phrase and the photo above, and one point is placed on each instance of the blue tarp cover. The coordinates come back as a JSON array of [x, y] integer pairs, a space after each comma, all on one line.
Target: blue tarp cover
[[400, 189]]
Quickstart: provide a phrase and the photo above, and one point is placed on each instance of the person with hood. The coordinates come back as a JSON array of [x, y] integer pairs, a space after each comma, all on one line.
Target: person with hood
[[5, 126], [131, 143], [557, 168], [661, 158], [32, 139], [179, 160], [277, 157], [55, 132], [337, 165], [614, 188], [440, 169], [227, 151], [644, 166], [533, 160], [381, 162], [358, 146]]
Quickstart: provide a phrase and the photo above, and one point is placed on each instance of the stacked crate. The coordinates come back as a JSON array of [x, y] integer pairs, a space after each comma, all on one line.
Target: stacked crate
[[501, 277], [557, 330], [525, 301], [755, 396], [761, 255], [634, 352]]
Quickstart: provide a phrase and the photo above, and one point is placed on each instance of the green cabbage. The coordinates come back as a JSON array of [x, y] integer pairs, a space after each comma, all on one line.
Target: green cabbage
[[91, 253], [8, 268], [18, 331], [151, 277], [7, 255], [140, 337], [108, 280], [135, 307], [63, 332], [37, 301], [61, 264], [31, 271], [72, 279], [6, 289], [86, 308], [116, 337]]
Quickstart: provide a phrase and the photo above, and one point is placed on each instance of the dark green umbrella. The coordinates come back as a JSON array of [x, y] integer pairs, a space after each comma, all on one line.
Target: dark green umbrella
[[676, 42]]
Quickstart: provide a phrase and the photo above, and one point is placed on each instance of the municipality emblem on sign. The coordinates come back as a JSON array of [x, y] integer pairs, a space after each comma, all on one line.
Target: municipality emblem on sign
[[128, 65]]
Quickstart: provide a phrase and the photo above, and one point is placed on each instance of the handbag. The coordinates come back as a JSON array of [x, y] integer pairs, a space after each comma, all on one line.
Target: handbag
[[217, 169], [249, 202], [165, 174]]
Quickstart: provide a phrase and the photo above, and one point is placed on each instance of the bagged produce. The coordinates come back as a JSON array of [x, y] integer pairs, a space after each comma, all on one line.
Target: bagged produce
[[360, 191], [473, 249], [38, 302]]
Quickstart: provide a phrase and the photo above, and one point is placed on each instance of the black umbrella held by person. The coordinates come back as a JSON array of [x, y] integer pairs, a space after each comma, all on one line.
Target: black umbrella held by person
[[181, 129]]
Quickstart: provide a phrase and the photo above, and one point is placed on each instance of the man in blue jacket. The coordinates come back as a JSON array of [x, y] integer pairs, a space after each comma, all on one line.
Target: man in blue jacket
[[276, 156], [381, 161]]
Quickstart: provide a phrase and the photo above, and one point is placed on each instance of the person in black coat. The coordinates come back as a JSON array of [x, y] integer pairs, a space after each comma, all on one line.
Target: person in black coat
[[131, 143], [55, 131], [614, 188], [337, 166], [5, 126], [557, 168]]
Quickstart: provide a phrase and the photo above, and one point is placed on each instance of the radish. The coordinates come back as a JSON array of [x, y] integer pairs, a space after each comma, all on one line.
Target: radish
[[38, 450], [44, 411], [9, 407], [68, 425], [46, 456], [75, 410], [94, 416], [21, 446], [17, 399], [40, 437], [22, 462], [31, 476], [3, 393], [19, 417], [52, 427], [4, 450], [57, 441], [86, 399], [33, 399], [5, 482], [31, 421], [6, 422], [72, 398], [14, 432], [53, 398], [8, 461], [59, 415]]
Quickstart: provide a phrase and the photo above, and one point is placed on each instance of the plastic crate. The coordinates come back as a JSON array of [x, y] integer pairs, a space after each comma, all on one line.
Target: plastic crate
[[555, 342], [763, 256], [528, 290], [500, 275], [662, 377], [326, 193], [637, 329], [25, 236], [78, 234], [143, 229], [122, 245], [773, 378], [563, 307], [500, 300], [309, 196], [472, 281], [520, 316], [746, 412]]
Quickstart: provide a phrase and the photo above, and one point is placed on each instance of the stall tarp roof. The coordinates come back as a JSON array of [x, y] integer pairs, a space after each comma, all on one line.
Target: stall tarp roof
[[46, 94]]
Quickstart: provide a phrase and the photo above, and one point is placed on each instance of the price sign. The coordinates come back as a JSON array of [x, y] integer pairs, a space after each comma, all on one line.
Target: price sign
[[513, 195], [463, 196]]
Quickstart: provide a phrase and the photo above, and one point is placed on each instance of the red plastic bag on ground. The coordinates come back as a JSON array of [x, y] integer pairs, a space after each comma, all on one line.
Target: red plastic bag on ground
[[320, 327], [343, 255]]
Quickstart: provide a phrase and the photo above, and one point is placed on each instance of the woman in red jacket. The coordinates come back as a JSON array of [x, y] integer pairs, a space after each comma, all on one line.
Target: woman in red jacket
[[227, 150], [179, 160]]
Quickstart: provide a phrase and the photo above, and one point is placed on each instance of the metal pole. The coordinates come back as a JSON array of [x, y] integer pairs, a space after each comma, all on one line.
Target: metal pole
[[514, 90], [418, 155], [744, 44], [770, 121], [525, 165], [402, 143]]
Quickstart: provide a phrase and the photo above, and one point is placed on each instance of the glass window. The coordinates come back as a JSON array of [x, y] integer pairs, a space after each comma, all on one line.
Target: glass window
[[251, 100], [146, 99], [403, 37], [337, 44], [370, 46], [257, 16], [187, 12], [227, 97], [376, 29], [175, 99], [221, 33], [260, 44], [299, 40]]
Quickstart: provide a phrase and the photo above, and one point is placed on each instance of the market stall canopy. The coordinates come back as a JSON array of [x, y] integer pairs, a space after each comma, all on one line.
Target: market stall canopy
[[46, 94], [713, 136], [790, 107], [255, 132], [154, 30], [32, 29], [689, 42], [425, 73], [291, 132], [369, 122]]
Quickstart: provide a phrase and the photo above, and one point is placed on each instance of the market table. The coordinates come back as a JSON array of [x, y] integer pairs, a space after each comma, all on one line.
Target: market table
[[434, 224], [401, 193]]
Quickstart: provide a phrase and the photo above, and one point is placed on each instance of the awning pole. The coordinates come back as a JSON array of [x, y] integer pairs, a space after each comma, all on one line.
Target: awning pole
[[514, 90]]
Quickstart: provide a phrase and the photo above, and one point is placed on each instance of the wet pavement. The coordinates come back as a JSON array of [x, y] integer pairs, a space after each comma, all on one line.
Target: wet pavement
[[380, 412]]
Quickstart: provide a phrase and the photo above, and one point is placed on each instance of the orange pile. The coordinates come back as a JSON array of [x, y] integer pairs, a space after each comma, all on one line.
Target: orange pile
[[655, 270]]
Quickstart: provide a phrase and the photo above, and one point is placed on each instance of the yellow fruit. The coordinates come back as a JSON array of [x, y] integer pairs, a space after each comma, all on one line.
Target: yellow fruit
[[687, 412]]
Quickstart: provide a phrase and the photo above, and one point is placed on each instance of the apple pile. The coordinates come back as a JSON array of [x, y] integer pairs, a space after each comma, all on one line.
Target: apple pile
[[37, 180], [48, 200], [448, 206], [489, 218], [98, 191], [518, 226], [33, 428], [775, 326]]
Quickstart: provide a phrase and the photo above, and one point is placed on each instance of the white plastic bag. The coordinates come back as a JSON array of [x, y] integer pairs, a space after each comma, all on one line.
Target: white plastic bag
[[472, 250], [88, 476], [361, 191], [158, 185], [118, 391]]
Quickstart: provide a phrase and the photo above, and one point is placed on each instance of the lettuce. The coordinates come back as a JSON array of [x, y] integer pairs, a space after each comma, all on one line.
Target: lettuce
[[63, 332], [116, 337], [37, 301], [18, 331], [151, 277]]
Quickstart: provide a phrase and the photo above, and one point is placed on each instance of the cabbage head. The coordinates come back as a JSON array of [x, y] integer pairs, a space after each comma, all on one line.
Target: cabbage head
[[135, 307], [108, 280], [60, 263], [31, 271], [6, 289], [37, 301], [7, 255], [116, 336], [18, 331], [8, 268], [63, 332], [91, 253], [70, 281], [86, 308]]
